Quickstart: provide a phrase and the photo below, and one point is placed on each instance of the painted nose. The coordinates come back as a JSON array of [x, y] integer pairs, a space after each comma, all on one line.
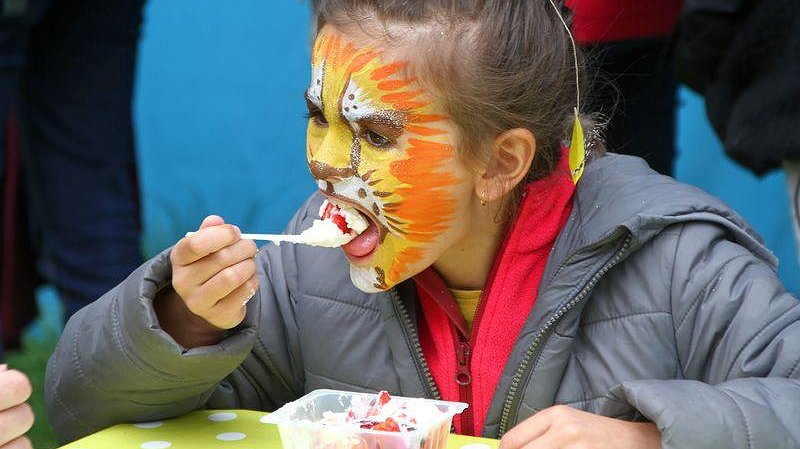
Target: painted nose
[[333, 158], [323, 171]]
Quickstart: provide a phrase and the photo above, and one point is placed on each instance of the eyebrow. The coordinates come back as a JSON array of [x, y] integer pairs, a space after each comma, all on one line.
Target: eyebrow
[[389, 124]]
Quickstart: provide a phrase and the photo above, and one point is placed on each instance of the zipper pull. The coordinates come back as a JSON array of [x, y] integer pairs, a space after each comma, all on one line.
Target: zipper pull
[[463, 376]]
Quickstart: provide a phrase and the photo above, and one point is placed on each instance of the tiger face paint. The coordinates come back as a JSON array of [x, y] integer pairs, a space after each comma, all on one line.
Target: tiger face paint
[[378, 141]]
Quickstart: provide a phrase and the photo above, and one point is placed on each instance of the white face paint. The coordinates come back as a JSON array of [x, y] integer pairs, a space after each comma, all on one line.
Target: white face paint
[[315, 89], [355, 104]]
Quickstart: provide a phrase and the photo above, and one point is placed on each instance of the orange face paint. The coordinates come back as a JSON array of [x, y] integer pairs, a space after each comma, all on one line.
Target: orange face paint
[[378, 140]]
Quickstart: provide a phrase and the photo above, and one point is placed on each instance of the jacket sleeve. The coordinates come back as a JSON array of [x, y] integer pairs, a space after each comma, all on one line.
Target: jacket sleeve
[[737, 337], [115, 364]]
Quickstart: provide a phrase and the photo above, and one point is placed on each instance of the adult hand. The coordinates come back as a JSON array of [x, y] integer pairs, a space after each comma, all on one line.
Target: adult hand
[[213, 277], [563, 427], [16, 417]]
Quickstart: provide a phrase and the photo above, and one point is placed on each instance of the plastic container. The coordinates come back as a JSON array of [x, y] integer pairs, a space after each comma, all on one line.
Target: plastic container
[[299, 426]]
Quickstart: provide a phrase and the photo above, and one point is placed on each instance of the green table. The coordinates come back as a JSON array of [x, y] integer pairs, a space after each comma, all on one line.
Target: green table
[[214, 429]]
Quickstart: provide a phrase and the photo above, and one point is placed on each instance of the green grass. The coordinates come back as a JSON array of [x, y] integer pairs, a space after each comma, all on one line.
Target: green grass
[[32, 360]]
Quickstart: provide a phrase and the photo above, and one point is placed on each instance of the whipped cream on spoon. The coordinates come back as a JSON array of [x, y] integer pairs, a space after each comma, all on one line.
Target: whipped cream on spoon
[[337, 226]]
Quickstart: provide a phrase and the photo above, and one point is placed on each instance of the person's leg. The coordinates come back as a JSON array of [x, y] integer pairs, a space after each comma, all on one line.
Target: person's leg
[[793, 184], [82, 168], [634, 87], [16, 280]]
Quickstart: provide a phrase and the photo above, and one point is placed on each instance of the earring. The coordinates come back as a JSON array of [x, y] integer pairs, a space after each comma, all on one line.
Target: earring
[[482, 198]]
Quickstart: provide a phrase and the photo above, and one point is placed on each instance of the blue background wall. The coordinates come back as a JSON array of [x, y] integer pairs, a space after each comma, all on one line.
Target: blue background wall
[[219, 112], [220, 128]]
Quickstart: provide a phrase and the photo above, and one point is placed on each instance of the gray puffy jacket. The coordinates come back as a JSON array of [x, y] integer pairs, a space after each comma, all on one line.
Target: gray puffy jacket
[[658, 303]]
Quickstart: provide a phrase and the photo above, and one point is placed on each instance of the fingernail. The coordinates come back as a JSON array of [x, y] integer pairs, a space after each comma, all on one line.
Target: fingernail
[[252, 293], [3, 367], [237, 229]]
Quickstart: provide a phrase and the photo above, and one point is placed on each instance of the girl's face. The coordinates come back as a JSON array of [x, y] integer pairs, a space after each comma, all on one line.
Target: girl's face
[[377, 140]]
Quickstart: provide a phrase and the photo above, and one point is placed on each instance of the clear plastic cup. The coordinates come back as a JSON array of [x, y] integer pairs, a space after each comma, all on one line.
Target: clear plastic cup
[[300, 427]]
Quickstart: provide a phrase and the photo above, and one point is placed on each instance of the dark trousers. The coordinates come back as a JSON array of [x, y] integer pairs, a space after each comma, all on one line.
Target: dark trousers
[[633, 86], [67, 69]]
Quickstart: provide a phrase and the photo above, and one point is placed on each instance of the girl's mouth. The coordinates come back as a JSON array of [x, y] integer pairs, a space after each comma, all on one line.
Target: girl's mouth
[[340, 211], [360, 248]]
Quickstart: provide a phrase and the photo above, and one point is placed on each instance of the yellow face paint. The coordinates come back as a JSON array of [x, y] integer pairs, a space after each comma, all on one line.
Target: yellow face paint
[[376, 139]]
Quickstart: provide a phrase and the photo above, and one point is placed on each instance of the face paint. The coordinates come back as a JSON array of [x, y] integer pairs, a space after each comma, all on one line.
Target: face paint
[[378, 141]]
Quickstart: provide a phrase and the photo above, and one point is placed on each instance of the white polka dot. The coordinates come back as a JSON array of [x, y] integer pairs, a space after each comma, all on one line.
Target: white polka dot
[[231, 436], [222, 416], [264, 419], [156, 445], [149, 425], [475, 446]]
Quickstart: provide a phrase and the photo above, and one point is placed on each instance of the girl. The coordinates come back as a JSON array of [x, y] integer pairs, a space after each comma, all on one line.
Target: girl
[[610, 307]]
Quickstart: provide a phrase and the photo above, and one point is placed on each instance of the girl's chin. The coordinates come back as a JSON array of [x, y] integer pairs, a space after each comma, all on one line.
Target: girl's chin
[[364, 279]]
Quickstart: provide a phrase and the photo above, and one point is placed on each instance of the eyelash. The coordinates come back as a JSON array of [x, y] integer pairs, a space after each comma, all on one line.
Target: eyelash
[[317, 116], [375, 139], [369, 135]]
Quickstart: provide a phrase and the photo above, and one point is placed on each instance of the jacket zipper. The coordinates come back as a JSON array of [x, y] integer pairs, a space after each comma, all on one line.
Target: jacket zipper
[[464, 381], [412, 339], [533, 353], [464, 345]]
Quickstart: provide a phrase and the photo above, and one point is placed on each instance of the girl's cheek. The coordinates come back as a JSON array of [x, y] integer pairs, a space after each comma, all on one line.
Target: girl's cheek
[[313, 138]]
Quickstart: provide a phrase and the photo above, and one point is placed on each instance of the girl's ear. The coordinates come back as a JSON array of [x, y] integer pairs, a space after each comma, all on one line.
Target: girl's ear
[[512, 154]]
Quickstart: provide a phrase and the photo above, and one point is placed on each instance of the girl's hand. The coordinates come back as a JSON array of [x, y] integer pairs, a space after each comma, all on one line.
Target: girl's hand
[[16, 417], [563, 427], [213, 277]]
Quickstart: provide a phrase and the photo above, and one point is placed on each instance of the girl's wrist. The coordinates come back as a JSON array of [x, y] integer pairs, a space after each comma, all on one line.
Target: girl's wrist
[[185, 327]]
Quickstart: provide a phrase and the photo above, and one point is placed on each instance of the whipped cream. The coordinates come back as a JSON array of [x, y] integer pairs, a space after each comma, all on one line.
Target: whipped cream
[[327, 233]]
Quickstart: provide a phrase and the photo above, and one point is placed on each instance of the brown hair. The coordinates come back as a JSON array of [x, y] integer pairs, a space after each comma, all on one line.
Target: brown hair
[[496, 64]]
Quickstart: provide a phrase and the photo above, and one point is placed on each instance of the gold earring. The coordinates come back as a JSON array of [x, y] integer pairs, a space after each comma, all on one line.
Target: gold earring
[[483, 200]]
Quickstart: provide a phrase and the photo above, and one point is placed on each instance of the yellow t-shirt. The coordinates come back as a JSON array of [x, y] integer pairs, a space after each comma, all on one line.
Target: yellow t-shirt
[[467, 301]]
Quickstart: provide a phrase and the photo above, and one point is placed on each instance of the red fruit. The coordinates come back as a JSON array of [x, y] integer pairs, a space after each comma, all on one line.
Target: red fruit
[[383, 397], [389, 425], [331, 213], [328, 211], [339, 221]]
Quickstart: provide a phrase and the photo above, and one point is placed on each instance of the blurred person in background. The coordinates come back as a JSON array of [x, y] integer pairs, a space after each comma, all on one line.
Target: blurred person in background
[[628, 47], [743, 56], [66, 81], [16, 417]]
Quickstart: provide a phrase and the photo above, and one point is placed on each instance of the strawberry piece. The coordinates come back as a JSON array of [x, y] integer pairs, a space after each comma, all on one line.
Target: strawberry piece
[[328, 211], [383, 397], [389, 425], [339, 221], [331, 213]]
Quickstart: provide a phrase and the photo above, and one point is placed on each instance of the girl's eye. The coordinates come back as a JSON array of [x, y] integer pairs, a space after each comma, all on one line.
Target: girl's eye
[[317, 116], [376, 139]]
